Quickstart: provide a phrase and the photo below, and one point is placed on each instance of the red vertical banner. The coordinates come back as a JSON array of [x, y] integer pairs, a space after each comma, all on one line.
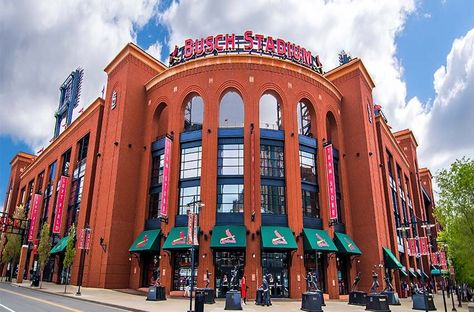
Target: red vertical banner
[[195, 228], [442, 260], [84, 241], [425, 250], [87, 243], [412, 243], [409, 247], [166, 179], [189, 238], [328, 150], [34, 216], [58, 217], [81, 239], [434, 258]]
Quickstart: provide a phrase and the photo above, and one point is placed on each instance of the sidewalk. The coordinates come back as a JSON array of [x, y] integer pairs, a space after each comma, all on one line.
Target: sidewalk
[[128, 299]]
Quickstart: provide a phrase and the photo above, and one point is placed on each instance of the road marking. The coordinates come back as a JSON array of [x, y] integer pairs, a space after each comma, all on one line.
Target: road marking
[[40, 300], [6, 308]]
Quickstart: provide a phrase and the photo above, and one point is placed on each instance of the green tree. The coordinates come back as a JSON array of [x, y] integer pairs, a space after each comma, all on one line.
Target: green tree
[[455, 212], [70, 253], [44, 248], [12, 247]]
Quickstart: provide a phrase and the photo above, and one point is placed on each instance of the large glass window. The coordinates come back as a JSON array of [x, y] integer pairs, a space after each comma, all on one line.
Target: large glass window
[[273, 199], [191, 162], [226, 261], [154, 207], [193, 113], [310, 204], [304, 119], [230, 159], [231, 111], [182, 269], [186, 196], [230, 198], [270, 112], [272, 161], [308, 167], [275, 265], [157, 166]]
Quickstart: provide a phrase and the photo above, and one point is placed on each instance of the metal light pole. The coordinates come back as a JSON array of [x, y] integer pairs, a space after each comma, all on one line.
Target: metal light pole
[[452, 297], [194, 203], [81, 261]]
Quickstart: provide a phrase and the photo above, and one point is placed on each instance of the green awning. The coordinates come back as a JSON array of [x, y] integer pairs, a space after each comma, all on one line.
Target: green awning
[[229, 236], [412, 272], [444, 272], [177, 238], [278, 237], [403, 272], [435, 272], [318, 240], [60, 246], [146, 241], [391, 262], [345, 244]]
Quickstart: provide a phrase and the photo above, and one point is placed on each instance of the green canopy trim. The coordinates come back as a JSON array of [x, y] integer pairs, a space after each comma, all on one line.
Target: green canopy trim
[[278, 237], [345, 244], [318, 240], [391, 262], [229, 236], [435, 272], [403, 272], [177, 238], [60, 246], [412, 272], [146, 241]]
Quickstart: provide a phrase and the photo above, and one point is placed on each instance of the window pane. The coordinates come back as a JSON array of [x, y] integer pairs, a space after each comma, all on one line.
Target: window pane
[[308, 167], [231, 111], [271, 161], [310, 204], [190, 162], [193, 114], [230, 159], [187, 196], [270, 114], [273, 199], [304, 119], [230, 198]]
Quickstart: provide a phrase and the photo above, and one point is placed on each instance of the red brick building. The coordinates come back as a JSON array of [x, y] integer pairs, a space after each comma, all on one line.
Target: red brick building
[[248, 134]]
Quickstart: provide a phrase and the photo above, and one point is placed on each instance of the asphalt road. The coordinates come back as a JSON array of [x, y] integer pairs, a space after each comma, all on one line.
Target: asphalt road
[[17, 299]]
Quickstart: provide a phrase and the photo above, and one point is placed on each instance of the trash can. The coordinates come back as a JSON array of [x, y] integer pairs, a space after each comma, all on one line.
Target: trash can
[[199, 302], [35, 281]]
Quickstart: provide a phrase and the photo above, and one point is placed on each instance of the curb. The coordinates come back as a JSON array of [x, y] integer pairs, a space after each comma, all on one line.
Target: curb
[[80, 298]]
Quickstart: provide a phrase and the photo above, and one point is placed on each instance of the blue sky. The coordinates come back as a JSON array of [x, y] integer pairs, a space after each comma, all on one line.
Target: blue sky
[[409, 46]]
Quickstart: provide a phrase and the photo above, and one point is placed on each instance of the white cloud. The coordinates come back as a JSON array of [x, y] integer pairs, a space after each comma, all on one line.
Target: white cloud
[[155, 50], [42, 42]]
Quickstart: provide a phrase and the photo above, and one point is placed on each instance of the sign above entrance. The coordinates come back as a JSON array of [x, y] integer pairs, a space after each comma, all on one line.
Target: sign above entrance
[[247, 43]]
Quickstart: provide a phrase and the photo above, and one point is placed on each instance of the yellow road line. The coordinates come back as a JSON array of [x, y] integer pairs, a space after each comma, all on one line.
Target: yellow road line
[[41, 300]]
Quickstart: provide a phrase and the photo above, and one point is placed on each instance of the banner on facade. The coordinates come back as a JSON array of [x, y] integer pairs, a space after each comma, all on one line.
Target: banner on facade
[[189, 238], [412, 247], [434, 258], [442, 260], [58, 217], [166, 179], [195, 228], [34, 216], [85, 239], [424, 247], [328, 150]]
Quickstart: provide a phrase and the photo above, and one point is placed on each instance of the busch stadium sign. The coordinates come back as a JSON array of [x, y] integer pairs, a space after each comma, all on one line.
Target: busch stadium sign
[[248, 43]]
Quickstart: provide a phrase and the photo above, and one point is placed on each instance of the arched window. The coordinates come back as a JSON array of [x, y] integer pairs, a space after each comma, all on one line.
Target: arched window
[[304, 118], [231, 110], [270, 112], [193, 113]]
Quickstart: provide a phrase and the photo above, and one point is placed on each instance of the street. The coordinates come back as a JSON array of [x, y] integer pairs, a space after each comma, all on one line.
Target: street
[[16, 299]]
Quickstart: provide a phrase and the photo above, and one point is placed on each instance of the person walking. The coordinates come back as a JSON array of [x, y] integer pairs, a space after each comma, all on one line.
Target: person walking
[[266, 292], [243, 289]]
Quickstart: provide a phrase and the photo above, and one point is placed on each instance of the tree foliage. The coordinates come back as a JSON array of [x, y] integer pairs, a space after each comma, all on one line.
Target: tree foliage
[[455, 212], [44, 248], [12, 247], [70, 252]]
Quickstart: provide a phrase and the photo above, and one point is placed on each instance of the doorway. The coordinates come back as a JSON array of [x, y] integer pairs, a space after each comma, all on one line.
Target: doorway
[[275, 266], [225, 263]]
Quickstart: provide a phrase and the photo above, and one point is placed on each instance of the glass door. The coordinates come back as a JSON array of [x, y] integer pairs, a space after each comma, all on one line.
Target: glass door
[[226, 263], [275, 267]]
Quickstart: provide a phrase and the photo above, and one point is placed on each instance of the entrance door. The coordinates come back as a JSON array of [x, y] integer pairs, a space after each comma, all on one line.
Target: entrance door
[[226, 263], [182, 269], [342, 274], [311, 265], [275, 267], [149, 269]]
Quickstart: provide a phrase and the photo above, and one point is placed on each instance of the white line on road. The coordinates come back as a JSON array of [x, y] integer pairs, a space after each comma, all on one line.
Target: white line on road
[[6, 308]]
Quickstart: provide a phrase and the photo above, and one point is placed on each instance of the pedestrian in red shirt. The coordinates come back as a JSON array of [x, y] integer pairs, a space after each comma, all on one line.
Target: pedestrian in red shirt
[[243, 289]]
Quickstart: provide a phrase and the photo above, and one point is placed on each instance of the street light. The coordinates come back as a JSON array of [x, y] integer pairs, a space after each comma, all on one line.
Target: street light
[[195, 203]]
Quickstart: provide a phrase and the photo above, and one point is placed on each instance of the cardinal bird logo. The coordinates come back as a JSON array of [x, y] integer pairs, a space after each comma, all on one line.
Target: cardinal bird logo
[[321, 242], [350, 245], [279, 239], [143, 242], [229, 239], [180, 240]]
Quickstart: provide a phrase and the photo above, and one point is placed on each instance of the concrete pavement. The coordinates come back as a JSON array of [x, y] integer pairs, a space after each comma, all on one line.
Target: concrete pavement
[[128, 299]]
